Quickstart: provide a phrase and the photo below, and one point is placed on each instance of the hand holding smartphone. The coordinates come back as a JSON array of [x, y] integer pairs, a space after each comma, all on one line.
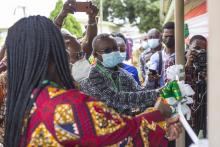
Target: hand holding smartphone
[[82, 6]]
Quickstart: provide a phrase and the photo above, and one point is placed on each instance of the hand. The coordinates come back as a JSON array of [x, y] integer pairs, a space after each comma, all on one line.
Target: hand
[[164, 109], [68, 7], [191, 55], [153, 77], [174, 128], [93, 12]]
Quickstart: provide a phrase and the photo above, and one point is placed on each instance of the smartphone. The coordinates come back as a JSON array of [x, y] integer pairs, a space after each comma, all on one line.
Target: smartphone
[[82, 6], [153, 72]]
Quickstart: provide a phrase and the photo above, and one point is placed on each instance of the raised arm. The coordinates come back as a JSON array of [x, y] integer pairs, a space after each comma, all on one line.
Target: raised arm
[[91, 31], [2, 52], [68, 7]]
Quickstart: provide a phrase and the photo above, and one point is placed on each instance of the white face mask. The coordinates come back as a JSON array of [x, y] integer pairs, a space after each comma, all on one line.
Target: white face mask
[[153, 43], [81, 70], [145, 45]]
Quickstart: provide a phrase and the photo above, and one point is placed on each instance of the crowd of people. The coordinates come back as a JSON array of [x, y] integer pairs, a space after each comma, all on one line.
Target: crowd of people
[[58, 90]]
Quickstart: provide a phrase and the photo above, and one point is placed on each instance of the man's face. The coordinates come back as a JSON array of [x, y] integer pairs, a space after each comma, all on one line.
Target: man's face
[[73, 48], [154, 39], [198, 44], [169, 38], [105, 46], [122, 47], [121, 44], [153, 35]]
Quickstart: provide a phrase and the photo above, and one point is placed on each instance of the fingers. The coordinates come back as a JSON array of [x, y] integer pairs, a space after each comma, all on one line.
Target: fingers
[[93, 11], [172, 120], [178, 127], [175, 128], [174, 132], [69, 6]]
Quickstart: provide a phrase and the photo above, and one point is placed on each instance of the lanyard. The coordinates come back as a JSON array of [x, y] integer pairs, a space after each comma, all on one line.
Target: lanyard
[[106, 73]]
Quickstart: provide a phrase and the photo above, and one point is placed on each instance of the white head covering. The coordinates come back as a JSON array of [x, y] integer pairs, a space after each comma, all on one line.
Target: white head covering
[[66, 32]]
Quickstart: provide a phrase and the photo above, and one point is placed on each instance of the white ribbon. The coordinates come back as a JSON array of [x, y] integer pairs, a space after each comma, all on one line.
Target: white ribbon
[[186, 125], [174, 73]]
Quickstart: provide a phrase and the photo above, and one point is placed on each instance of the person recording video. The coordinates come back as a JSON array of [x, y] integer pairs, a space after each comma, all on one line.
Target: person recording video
[[196, 76]]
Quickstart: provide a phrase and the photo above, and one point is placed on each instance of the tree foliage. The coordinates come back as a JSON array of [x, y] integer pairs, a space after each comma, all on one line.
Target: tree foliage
[[143, 13], [70, 22]]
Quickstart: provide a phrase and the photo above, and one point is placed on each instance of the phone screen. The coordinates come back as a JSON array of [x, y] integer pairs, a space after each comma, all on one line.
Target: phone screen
[[82, 6], [154, 72]]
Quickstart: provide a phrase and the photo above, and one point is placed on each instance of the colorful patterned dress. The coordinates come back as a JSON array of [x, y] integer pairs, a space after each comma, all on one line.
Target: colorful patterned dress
[[62, 117]]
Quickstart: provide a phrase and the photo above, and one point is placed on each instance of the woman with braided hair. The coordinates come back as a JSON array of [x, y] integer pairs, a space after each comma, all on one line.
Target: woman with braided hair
[[3, 90], [44, 109]]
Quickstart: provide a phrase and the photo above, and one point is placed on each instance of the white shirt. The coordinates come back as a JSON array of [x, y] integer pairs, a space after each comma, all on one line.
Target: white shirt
[[154, 63]]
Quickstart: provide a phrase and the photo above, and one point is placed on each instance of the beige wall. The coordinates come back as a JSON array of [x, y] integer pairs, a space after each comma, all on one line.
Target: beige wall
[[214, 74]]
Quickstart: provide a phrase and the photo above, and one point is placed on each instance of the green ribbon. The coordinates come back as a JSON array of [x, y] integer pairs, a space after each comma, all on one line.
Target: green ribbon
[[107, 74], [171, 89], [186, 30]]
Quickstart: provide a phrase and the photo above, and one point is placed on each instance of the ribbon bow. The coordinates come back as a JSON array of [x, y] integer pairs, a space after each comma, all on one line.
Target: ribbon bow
[[177, 94]]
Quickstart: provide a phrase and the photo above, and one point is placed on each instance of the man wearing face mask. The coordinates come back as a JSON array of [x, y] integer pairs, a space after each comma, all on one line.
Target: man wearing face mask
[[153, 45], [161, 60], [113, 85], [78, 52], [79, 65], [130, 69], [196, 76]]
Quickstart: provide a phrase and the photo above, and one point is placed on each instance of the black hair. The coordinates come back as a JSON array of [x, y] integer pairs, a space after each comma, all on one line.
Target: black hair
[[117, 34], [98, 37], [32, 44], [199, 37], [169, 25]]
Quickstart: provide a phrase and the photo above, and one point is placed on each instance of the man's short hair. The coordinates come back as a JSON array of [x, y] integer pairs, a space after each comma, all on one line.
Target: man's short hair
[[169, 25], [199, 37], [117, 34], [98, 37]]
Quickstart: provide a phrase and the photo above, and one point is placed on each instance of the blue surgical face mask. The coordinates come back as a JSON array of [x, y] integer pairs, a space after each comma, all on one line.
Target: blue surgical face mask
[[111, 59], [123, 56]]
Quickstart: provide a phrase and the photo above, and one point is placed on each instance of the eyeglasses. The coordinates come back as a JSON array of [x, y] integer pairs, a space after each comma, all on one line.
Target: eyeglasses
[[109, 50]]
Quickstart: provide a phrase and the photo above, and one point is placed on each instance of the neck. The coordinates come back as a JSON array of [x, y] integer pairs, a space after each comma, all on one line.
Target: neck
[[120, 64], [169, 50], [157, 48], [54, 78], [112, 68]]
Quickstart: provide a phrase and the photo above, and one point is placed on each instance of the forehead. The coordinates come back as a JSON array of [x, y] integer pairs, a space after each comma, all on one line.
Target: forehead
[[167, 32], [72, 42], [200, 43], [119, 41], [153, 34], [106, 42]]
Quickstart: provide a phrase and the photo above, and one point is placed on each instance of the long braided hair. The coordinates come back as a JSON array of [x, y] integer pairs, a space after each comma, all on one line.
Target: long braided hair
[[32, 44]]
